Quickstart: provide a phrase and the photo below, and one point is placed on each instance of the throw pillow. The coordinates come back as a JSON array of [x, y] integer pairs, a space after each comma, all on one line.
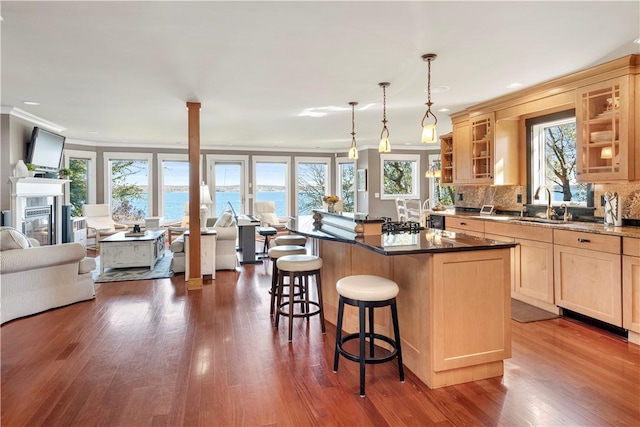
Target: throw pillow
[[10, 238], [270, 218], [225, 220]]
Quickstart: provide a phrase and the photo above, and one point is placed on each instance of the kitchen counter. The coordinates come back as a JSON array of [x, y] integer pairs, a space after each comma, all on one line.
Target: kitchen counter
[[454, 304], [586, 227]]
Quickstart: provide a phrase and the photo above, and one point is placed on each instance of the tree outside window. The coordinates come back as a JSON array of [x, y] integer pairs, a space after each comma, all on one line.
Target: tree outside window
[[553, 159], [128, 196], [400, 176]]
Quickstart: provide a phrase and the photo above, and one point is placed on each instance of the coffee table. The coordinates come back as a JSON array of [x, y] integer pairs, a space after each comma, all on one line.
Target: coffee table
[[120, 251]]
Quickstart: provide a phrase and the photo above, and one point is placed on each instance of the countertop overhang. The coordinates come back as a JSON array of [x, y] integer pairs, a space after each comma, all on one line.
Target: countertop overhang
[[405, 243]]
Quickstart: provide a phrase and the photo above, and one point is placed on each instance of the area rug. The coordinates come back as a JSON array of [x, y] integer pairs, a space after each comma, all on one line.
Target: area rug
[[160, 270], [525, 313]]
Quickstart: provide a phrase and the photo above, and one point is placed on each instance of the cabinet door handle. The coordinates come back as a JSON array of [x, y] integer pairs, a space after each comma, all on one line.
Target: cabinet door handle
[[583, 240], [463, 223]]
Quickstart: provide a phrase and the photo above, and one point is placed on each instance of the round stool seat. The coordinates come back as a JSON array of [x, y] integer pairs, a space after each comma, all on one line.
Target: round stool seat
[[299, 263], [367, 288], [291, 240], [280, 251]]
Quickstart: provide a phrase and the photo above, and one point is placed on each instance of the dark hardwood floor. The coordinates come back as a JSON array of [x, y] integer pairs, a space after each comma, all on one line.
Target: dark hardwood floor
[[147, 353]]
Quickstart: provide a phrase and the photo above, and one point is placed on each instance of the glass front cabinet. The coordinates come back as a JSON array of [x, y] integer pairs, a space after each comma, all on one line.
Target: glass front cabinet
[[605, 139]]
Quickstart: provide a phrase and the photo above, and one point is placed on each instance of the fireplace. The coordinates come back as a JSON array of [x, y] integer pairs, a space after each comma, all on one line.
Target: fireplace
[[36, 208], [38, 224]]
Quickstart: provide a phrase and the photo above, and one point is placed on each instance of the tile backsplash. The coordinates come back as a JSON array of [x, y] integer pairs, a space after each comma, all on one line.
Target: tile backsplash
[[505, 197]]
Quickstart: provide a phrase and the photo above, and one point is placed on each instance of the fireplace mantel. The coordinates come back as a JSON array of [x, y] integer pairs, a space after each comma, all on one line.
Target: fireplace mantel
[[21, 188]]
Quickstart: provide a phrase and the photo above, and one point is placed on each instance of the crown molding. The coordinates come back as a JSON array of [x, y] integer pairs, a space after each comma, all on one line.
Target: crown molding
[[32, 118]]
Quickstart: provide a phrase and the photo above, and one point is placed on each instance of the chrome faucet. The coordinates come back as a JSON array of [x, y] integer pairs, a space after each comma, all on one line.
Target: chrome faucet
[[550, 212]]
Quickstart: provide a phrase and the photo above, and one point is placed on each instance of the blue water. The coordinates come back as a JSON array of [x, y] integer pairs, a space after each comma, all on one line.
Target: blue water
[[174, 203]]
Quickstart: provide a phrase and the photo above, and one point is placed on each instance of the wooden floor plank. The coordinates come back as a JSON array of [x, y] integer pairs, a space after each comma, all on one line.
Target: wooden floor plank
[[149, 353]]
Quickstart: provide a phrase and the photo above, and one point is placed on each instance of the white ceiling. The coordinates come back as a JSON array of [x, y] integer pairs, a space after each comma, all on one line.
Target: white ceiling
[[126, 69]]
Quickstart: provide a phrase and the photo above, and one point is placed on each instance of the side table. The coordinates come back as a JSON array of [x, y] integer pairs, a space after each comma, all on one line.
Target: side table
[[207, 253]]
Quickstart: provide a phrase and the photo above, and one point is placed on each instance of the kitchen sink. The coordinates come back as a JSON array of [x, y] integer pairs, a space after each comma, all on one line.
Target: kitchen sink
[[540, 220]]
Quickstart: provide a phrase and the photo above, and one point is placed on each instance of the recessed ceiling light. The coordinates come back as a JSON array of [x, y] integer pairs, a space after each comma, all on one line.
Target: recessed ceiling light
[[514, 85], [93, 132], [366, 107], [310, 112], [30, 103], [443, 110]]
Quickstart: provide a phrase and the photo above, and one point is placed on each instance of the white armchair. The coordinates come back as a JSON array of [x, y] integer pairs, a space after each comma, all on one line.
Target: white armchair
[[99, 223], [266, 213]]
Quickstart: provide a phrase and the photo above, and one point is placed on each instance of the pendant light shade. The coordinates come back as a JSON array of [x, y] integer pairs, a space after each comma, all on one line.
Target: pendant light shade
[[353, 150], [385, 145], [429, 120]]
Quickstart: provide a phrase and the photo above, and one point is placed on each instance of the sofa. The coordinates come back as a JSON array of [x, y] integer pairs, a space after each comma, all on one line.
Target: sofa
[[226, 238], [37, 278]]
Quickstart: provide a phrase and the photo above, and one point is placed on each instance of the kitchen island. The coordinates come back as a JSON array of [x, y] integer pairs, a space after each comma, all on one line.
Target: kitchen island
[[454, 304]]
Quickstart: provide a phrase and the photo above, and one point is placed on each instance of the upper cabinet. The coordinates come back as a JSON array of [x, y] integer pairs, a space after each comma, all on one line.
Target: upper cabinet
[[605, 131], [461, 151], [446, 151], [485, 151], [482, 148]]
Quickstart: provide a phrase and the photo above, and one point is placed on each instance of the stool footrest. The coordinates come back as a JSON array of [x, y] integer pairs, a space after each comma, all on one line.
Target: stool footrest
[[305, 314], [371, 360]]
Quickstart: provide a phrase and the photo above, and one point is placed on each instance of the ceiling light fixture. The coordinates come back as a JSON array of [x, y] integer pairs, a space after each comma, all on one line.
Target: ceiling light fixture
[[30, 103], [353, 150], [384, 146], [637, 41], [429, 134], [434, 171]]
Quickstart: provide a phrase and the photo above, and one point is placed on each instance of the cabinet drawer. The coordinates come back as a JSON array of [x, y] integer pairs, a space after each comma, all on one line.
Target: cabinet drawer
[[591, 241], [540, 234], [631, 246], [465, 224]]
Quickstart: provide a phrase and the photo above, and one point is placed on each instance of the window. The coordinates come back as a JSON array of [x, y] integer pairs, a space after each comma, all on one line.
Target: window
[[271, 181], [230, 182], [312, 183], [128, 186], [399, 176], [552, 143], [174, 185], [82, 188], [441, 193], [347, 183]]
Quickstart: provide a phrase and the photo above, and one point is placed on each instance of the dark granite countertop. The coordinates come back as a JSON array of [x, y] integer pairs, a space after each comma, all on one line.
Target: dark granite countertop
[[406, 243]]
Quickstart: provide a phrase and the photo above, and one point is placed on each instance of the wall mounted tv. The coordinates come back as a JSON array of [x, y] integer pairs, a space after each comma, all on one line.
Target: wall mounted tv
[[44, 150]]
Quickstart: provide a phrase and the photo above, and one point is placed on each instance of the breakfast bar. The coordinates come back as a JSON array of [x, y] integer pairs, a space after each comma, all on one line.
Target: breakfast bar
[[454, 303]]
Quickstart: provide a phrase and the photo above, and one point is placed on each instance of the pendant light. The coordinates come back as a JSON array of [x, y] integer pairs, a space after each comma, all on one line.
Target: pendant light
[[434, 170], [353, 150], [429, 134], [384, 146]]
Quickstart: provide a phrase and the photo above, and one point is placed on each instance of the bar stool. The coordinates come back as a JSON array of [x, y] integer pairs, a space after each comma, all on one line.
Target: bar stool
[[291, 239], [275, 253], [266, 232], [366, 291], [302, 268]]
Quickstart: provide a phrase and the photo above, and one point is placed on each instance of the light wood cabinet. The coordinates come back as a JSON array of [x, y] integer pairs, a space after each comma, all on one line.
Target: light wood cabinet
[[481, 128], [461, 152], [446, 151], [532, 262], [587, 274], [605, 136], [472, 227], [631, 288]]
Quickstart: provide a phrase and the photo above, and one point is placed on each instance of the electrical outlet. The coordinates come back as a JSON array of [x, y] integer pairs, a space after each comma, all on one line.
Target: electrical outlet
[[518, 198]]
